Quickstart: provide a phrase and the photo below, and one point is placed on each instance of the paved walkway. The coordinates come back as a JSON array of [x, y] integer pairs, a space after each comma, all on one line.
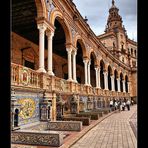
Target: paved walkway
[[116, 130], [113, 132]]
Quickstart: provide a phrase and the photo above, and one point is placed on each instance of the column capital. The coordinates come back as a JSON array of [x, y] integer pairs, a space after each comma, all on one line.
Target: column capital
[[85, 60], [69, 50], [112, 76], [74, 52], [42, 27], [89, 62], [96, 68], [49, 33], [105, 72]]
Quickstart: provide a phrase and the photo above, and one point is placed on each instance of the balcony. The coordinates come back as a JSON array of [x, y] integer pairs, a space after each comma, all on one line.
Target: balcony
[[27, 78]]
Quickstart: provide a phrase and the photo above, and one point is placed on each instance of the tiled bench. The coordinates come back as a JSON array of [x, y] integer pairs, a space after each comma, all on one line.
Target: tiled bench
[[85, 120]]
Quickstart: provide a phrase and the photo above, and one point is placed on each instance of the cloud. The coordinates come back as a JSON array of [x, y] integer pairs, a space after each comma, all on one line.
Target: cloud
[[97, 14]]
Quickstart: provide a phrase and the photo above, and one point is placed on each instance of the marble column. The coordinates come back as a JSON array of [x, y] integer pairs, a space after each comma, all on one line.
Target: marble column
[[85, 70], [106, 79], [42, 29], [118, 85], [89, 63], [113, 83], [97, 80], [74, 66], [69, 51], [123, 83], [50, 36]]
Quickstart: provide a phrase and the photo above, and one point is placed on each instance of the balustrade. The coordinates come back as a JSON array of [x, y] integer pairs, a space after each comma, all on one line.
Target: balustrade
[[23, 76]]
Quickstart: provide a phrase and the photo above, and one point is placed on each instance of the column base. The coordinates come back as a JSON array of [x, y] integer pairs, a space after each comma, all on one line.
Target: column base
[[98, 87], [41, 70], [75, 81], [51, 73], [86, 84], [70, 79]]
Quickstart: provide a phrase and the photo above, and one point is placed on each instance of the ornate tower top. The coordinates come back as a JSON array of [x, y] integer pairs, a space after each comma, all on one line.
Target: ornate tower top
[[114, 21], [113, 2]]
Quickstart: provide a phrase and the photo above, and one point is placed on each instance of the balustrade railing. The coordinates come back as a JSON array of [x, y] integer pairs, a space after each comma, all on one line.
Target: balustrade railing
[[23, 76]]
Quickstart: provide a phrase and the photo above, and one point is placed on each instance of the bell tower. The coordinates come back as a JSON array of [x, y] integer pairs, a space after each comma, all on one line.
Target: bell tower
[[114, 22]]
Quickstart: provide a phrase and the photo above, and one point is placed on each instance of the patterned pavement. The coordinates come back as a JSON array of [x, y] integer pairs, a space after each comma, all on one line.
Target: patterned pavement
[[113, 132]]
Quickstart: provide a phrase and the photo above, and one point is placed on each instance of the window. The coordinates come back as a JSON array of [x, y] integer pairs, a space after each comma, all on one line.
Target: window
[[29, 64], [123, 59], [131, 51]]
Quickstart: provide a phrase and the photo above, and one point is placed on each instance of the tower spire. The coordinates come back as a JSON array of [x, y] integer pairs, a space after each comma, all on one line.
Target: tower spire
[[113, 2]]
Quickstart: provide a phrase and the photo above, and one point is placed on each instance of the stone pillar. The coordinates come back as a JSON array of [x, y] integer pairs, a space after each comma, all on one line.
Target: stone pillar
[[85, 69], [113, 83], [106, 79], [69, 64], [118, 85], [128, 87], [50, 36], [42, 29], [74, 66], [89, 63], [97, 80], [123, 82]]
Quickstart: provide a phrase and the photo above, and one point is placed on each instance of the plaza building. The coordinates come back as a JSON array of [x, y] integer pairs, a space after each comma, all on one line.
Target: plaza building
[[60, 67]]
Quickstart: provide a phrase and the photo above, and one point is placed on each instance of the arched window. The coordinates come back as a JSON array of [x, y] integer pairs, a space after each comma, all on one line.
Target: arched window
[[132, 51]]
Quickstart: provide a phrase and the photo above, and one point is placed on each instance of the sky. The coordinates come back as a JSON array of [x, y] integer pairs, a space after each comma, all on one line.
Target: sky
[[97, 14]]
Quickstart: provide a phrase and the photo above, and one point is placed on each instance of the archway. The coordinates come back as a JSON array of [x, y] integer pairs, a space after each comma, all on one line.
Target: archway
[[126, 83], [109, 77], [115, 80], [102, 66], [121, 83], [92, 70], [59, 50], [79, 61]]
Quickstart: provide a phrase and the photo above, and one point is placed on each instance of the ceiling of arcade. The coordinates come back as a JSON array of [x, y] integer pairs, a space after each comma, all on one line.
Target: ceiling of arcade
[[24, 14]]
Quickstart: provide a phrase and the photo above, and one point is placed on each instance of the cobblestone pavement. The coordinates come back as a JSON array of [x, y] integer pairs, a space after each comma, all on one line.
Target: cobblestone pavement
[[113, 132]]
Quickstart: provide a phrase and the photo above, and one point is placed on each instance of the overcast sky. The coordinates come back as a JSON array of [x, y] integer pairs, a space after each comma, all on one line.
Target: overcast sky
[[97, 14]]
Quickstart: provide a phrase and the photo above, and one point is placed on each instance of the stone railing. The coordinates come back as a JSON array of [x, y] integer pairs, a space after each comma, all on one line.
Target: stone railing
[[23, 76]]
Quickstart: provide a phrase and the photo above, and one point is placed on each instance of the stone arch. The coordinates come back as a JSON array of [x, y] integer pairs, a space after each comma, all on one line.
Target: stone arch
[[56, 14], [121, 79], [41, 8], [109, 69], [79, 39], [102, 63], [115, 79], [94, 56], [126, 83]]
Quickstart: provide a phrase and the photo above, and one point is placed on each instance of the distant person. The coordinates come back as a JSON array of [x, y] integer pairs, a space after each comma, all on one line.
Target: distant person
[[123, 105], [128, 104]]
